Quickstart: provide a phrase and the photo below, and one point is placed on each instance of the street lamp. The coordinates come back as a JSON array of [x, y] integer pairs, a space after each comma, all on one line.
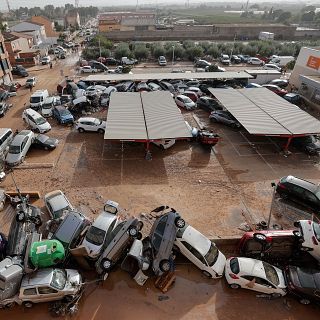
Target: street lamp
[[172, 56]]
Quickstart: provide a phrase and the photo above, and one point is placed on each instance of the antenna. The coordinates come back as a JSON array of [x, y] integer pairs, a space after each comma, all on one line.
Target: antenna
[[8, 5]]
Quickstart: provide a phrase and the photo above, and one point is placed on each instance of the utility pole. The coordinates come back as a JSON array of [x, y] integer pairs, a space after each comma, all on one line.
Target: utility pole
[[8, 5], [172, 57], [76, 3], [234, 40]]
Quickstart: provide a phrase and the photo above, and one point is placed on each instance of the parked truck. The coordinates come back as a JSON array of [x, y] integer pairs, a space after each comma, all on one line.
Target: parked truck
[[262, 76], [263, 35]]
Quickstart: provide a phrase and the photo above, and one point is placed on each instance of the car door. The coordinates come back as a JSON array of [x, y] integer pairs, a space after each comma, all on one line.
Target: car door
[[262, 285], [29, 294], [193, 255], [311, 199], [47, 293], [91, 126]]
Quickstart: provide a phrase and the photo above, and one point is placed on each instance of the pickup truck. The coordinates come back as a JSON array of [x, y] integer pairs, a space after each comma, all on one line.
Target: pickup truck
[[128, 62]]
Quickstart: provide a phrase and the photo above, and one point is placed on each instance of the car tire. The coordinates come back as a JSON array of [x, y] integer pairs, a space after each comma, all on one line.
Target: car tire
[[20, 217], [234, 286], [27, 304], [46, 148], [259, 236], [106, 264], [164, 265], [9, 305], [296, 224], [101, 131], [37, 221], [207, 274], [179, 222], [306, 249], [81, 130], [133, 232], [304, 301], [297, 233], [139, 236]]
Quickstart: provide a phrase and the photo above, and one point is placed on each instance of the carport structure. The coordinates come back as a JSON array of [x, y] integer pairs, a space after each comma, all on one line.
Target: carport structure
[[262, 112], [144, 117]]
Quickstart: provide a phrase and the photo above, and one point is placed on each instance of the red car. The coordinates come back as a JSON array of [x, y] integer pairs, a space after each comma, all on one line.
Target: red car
[[277, 90], [208, 137]]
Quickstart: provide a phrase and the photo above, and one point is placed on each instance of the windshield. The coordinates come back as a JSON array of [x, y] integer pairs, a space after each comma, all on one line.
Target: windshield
[[59, 279], [63, 112], [42, 138], [47, 106], [35, 99], [59, 213], [271, 273], [14, 149], [212, 255], [40, 120], [95, 236], [316, 230], [186, 100]]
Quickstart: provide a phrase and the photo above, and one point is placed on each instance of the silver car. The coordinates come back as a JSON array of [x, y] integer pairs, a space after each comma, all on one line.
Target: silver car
[[224, 117], [56, 203], [19, 147], [49, 285]]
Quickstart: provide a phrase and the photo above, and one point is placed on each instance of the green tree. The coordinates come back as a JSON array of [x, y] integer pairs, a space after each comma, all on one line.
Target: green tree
[[57, 27], [122, 50], [308, 16], [291, 65], [214, 51], [104, 42], [158, 50], [194, 52], [141, 52], [284, 16]]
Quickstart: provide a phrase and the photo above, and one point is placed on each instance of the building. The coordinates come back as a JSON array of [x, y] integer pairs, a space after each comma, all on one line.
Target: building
[[72, 19], [306, 75], [119, 32], [305, 33], [127, 21], [19, 48], [5, 67], [37, 31], [52, 35]]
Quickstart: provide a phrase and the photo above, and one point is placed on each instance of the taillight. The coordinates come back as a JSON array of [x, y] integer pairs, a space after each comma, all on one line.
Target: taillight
[[233, 276], [309, 221], [281, 186], [314, 240]]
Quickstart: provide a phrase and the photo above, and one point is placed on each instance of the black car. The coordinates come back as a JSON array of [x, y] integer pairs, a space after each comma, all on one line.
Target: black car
[[166, 86], [301, 191], [308, 144], [126, 86], [293, 98], [111, 62], [44, 142], [235, 59], [208, 104], [303, 283], [20, 71], [202, 63], [4, 107], [225, 117]]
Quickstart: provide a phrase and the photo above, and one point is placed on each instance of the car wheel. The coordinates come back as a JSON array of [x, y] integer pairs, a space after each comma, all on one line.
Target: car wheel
[[27, 304], [164, 265], [304, 301], [207, 274], [133, 232], [297, 233], [20, 217], [259, 236], [275, 295], [306, 249], [68, 298], [46, 148], [139, 236], [106, 264], [101, 131], [81, 130], [9, 305], [180, 223], [296, 224], [234, 286], [37, 221]]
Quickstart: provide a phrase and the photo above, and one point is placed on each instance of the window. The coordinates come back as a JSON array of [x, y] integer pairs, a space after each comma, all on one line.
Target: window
[[249, 278], [271, 273], [156, 241], [1, 48], [309, 196], [46, 290], [162, 225], [30, 292], [195, 252], [262, 282], [316, 230], [5, 64]]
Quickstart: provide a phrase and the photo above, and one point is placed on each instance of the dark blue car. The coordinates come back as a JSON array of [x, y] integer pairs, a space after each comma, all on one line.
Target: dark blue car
[[62, 115]]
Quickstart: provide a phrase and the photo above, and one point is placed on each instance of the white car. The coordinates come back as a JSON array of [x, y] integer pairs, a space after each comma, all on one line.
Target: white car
[[88, 69], [202, 252], [184, 102], [45, 60], [48, 104], [255, 61], [271, 66], [31, 82], [90, 124], [19, 147], [101, 228], [36, 121], [57, 203], [94, 90], [195, 90], [310, 233], [164, 143], [255, 275]]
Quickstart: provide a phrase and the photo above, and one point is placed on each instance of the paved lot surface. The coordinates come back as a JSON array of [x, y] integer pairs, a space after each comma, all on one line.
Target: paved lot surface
[[215, 191]]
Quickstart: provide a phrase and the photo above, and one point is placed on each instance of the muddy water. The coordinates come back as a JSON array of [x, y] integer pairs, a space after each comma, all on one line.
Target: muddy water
[[192, 297]]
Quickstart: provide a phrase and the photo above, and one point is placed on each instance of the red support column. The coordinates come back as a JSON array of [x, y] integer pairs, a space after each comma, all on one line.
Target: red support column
[[148, 155], [287, 144]]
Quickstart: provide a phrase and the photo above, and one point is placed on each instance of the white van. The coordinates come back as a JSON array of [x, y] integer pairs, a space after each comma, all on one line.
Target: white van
[[6, 137], [35, 121], [37, 99], [281, 61]]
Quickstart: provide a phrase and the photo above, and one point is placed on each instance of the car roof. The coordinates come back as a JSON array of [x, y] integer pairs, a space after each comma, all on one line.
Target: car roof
[[104, 220], [308, 278], [251, 267], [196, 240], [303, 183], [58, 202], [39, 277], [87, 119]]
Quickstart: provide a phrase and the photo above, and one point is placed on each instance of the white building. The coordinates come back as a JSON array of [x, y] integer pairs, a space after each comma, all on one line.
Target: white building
[[36, 30], [306, 75]]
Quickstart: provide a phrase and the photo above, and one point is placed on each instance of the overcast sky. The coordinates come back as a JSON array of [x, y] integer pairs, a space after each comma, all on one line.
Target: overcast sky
[[33, 3]]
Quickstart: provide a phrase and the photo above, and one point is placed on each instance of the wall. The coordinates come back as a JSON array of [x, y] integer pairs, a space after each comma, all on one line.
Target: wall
[[5, 66], [48, 25], [307, 34], [301, 67], [212, 32]]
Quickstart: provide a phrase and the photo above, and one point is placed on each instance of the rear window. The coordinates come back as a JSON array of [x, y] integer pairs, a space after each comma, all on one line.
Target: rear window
[[306, 279], [316, 230], [234, 265], [271, 273]]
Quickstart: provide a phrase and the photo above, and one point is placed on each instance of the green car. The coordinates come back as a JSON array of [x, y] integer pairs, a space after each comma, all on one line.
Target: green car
[[46, 253]]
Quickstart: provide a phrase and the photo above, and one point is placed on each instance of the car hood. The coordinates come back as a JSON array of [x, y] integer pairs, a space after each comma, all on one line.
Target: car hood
[[93, 250], [52, 141], [13, 158], [314, 145], [45, 126]]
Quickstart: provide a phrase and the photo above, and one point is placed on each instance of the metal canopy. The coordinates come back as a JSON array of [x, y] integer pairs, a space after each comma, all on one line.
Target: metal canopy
[[262, 112], [144, 116], [169, 76]]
